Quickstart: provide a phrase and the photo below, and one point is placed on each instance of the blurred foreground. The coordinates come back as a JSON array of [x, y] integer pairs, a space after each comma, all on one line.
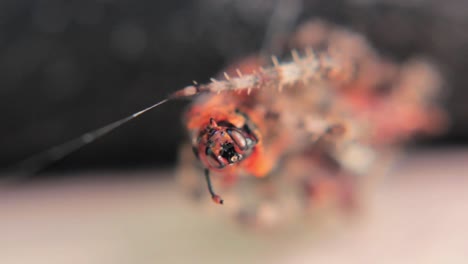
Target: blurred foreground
[[417, 214]]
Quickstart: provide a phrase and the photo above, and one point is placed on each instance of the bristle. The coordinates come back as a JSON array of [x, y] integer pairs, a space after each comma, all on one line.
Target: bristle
[[295, 56], [275, 61], [300, 69], [310, 53]]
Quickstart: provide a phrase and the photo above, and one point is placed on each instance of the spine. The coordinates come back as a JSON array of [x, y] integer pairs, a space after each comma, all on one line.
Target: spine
[[310, 67]]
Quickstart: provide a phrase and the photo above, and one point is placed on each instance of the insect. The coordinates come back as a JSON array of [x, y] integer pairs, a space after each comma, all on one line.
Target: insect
[[311, 126], [316, 125]]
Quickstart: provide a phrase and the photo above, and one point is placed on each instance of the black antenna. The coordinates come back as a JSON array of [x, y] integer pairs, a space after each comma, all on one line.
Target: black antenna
[[216, 198]]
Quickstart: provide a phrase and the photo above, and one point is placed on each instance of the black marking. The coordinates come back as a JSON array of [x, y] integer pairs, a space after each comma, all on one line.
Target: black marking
[[211, 132], [208, 151], [249, 131], [212, 159], [225, 123], [228, 152], [249, 126]]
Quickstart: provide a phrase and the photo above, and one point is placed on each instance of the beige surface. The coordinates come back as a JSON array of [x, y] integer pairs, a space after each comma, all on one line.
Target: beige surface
[[418, 214]]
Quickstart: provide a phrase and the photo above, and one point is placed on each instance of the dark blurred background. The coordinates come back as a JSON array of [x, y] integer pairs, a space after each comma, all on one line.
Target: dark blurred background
[[68, 67]]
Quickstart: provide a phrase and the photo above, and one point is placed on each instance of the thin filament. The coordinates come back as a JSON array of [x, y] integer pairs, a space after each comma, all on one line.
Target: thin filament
[[41, 160]]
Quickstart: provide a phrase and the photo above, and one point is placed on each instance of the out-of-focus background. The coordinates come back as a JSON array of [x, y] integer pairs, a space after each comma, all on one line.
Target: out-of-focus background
[[68, 67], [417, 215]]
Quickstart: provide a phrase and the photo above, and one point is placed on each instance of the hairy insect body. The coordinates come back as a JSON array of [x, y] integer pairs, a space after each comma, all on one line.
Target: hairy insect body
[[312, 127]]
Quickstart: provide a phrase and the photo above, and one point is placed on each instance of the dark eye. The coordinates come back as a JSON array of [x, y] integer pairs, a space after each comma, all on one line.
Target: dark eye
[[212, 160], [238, 138]]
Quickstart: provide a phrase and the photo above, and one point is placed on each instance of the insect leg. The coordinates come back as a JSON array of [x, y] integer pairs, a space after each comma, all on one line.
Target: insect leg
[[216, 198]]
